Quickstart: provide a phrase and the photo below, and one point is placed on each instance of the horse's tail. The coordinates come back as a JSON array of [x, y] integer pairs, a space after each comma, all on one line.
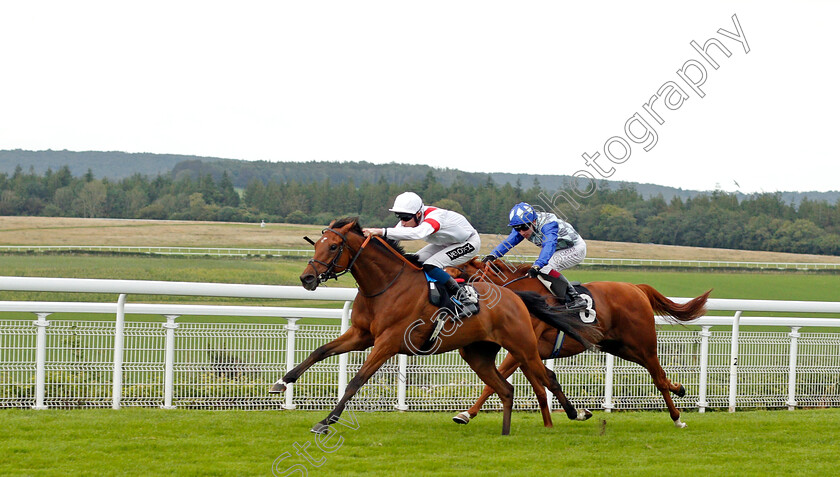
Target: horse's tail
[[686, 312], [560, 318]]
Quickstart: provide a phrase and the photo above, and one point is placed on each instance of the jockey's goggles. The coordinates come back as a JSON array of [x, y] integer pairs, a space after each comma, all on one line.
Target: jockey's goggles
[[521, 227], [404, 217]]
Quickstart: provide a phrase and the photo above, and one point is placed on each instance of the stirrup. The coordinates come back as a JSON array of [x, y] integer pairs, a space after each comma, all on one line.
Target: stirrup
[[465, 301], [467, 295], [577, 304]]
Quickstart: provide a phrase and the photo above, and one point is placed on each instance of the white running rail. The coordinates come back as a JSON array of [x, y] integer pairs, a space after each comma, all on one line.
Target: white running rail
[[65, 362]]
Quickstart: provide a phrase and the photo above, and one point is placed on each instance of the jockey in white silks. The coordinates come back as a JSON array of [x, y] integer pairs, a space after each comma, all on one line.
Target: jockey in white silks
[[452, 241]]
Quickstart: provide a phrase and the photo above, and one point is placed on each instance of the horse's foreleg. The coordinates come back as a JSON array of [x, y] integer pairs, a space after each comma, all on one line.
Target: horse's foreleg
[[507, 368], [374, 361], [354, 339], [482, 359]]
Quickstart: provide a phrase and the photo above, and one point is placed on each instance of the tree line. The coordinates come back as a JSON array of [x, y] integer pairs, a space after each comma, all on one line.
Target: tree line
[[717, 219]]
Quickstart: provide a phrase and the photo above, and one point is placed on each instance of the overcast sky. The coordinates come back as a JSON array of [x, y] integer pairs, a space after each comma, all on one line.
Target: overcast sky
[[474, 85]]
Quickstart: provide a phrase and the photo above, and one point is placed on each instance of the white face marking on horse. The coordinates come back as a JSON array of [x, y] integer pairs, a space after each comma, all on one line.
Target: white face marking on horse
[[324, 239]]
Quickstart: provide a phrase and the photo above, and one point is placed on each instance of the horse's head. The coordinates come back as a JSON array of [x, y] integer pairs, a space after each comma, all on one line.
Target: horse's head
[[333, 254], [466, 270], [497, 271]]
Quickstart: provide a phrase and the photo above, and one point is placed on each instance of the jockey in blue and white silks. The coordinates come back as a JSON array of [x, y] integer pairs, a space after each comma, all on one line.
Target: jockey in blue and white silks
[[561, 247]]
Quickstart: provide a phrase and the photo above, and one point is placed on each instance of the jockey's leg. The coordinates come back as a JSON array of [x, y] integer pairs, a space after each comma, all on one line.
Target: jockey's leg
[[575, 302], [468, 303], [452, 256], [559, 285]]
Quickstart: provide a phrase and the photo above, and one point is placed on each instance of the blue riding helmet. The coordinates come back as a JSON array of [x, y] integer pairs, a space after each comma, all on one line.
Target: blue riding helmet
[[522, 213]]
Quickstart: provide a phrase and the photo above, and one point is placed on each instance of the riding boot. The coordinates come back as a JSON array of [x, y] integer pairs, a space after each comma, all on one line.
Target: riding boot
[[575, 302], [466, 302]]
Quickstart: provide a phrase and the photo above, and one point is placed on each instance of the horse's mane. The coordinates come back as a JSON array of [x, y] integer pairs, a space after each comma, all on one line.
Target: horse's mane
[[357, 229], [515, 267]]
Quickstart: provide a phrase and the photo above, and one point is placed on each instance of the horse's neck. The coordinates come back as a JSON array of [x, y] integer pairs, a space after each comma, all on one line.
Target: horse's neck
[[376, 268]]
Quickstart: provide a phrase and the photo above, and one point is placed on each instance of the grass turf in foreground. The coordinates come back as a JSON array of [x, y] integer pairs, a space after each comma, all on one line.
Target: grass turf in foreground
[[180, 442]]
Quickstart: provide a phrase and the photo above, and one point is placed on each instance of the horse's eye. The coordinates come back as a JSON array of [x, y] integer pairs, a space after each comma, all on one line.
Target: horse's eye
[[333, 247]]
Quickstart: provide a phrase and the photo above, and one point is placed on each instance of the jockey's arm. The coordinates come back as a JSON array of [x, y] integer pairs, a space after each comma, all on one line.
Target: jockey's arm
[[423, 230], [511, 241], [549, 243]]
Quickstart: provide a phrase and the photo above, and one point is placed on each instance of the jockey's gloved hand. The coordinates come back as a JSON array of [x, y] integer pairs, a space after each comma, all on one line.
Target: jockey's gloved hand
[[489, 258], [534, 271]]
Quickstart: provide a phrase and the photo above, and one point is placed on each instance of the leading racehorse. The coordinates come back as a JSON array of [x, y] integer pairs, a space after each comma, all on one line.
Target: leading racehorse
[[392, 313], [624, 313]]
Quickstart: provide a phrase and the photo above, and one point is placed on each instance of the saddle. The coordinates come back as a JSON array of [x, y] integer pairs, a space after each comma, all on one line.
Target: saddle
[[441, 298], [586, 316]]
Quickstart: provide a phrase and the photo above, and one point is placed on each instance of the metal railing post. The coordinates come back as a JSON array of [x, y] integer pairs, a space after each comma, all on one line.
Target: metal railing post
[[608, 383], [733, 363], [41, 360], [705, 334], [402, 382], [291, 328], [342, 359], [169, 362], [794, 350], [119, 348]]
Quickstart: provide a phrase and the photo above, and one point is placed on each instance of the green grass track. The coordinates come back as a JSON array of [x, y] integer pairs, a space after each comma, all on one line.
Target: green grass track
[[178, 442]]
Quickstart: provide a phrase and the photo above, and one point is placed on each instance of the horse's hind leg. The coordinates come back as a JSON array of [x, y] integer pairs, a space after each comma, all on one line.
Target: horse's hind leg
[[354, 339], [666, 387], [650, 361], [508, 366], [482, 359], [538, 381]]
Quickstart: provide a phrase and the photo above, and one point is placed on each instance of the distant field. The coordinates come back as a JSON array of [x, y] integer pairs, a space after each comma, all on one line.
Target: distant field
[[154, 233], [285, 271]]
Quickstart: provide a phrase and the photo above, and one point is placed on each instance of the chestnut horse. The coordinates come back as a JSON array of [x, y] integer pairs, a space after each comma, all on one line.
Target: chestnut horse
[[392, 313], [624, 313]]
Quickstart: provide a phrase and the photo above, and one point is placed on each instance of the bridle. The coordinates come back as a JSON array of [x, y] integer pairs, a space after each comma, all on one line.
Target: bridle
[[331, 267]]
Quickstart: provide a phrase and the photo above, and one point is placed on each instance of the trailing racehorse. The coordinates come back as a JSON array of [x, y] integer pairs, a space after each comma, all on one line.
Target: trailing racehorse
[[393, 296], [624, 314]]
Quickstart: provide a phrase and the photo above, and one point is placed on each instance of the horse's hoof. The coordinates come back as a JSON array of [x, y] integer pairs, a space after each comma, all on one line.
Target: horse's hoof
[[582, 416], [320, 428], [278, 387], [462, 418], [681, 391], [680, 424]]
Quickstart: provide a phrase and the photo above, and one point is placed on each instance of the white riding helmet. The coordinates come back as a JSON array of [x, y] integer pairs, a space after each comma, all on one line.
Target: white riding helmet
[[407, 203]]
